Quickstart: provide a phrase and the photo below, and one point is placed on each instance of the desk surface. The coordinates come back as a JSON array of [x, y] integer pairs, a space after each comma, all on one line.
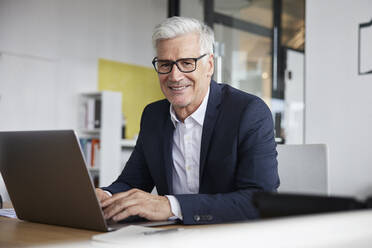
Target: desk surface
[[17, 233]]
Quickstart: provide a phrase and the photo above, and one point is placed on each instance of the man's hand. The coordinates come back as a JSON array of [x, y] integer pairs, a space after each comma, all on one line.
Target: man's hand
[[136, 202], [101, 195]]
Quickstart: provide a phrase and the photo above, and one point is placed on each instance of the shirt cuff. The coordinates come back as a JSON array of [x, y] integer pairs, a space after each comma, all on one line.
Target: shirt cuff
[[175, 207], [107, 192]]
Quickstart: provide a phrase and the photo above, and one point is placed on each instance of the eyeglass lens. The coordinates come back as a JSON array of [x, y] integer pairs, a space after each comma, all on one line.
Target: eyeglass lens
[[184, 65]]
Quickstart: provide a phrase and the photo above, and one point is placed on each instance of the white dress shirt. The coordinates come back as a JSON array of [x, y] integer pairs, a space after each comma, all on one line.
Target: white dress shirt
[[186, 154]]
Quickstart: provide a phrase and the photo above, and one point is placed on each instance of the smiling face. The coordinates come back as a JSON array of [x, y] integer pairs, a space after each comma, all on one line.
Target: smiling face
[[185, 91]]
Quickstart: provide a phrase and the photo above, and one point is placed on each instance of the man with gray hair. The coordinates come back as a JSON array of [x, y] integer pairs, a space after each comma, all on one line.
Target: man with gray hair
[[207, 147]]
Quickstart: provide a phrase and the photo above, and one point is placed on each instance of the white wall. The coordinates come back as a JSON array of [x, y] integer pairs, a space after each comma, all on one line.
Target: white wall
[[338, 101], [50, 48]]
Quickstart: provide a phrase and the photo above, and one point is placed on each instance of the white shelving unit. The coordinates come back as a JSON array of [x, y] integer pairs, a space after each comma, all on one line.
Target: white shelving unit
[[128, 143], [109, 133], [127, 146]]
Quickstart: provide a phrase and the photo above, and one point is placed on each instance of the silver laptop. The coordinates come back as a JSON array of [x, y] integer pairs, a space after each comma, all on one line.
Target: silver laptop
[[48, 181]]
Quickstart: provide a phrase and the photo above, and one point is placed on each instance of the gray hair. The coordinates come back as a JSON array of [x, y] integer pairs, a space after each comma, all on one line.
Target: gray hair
[[177, 26]]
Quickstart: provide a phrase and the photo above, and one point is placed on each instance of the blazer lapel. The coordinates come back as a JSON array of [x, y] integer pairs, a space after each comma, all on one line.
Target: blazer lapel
[[210, 118], [167, 150]]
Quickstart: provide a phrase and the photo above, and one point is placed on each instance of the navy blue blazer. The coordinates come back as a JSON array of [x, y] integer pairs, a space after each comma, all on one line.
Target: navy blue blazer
[[238, 157]]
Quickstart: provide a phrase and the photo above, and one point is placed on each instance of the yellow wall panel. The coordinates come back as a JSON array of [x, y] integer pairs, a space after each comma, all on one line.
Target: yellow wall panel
[[139, 86]]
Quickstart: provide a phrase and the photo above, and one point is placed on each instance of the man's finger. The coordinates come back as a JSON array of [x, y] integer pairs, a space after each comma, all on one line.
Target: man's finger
[[121, 205], [112, 210], [134, 210], [116, 197]]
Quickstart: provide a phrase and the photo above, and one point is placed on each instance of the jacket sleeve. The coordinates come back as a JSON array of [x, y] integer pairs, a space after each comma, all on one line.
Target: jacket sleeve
[[256, 171]]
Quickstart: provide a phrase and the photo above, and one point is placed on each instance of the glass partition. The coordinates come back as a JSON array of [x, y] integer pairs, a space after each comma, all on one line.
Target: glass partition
[[245, 60]]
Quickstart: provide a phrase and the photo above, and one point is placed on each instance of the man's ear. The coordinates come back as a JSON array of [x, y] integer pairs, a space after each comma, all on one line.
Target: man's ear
[[210, 65]]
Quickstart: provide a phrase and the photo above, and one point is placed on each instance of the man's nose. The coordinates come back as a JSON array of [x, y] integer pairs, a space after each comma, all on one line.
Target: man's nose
[[175, 74]]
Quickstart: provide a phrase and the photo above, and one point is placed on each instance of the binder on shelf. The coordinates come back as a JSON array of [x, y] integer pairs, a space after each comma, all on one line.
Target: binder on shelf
[[97, 113], [91, 150], [95, 153], [83, 143], [90, 112], [89, 124], [88, 155]]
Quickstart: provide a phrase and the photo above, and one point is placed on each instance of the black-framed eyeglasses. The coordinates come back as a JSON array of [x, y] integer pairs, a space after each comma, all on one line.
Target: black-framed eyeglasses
[[186, 65]]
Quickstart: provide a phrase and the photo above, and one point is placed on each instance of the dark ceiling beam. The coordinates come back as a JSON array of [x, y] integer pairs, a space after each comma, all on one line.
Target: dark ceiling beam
[[277, 59], [209, 12], [173, 8]]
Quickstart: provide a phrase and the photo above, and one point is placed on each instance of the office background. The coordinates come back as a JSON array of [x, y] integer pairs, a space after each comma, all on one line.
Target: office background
[[49, 53]]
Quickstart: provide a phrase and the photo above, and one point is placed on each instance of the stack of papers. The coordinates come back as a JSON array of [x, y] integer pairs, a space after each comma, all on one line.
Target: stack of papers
[[8, 212], [138, 236]]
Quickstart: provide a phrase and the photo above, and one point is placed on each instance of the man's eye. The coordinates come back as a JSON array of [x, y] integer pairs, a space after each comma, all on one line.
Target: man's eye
[[187, 63], [164, 65]]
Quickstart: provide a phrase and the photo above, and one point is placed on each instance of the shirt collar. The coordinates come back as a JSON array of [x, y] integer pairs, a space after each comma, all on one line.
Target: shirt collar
[[198, 114]]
